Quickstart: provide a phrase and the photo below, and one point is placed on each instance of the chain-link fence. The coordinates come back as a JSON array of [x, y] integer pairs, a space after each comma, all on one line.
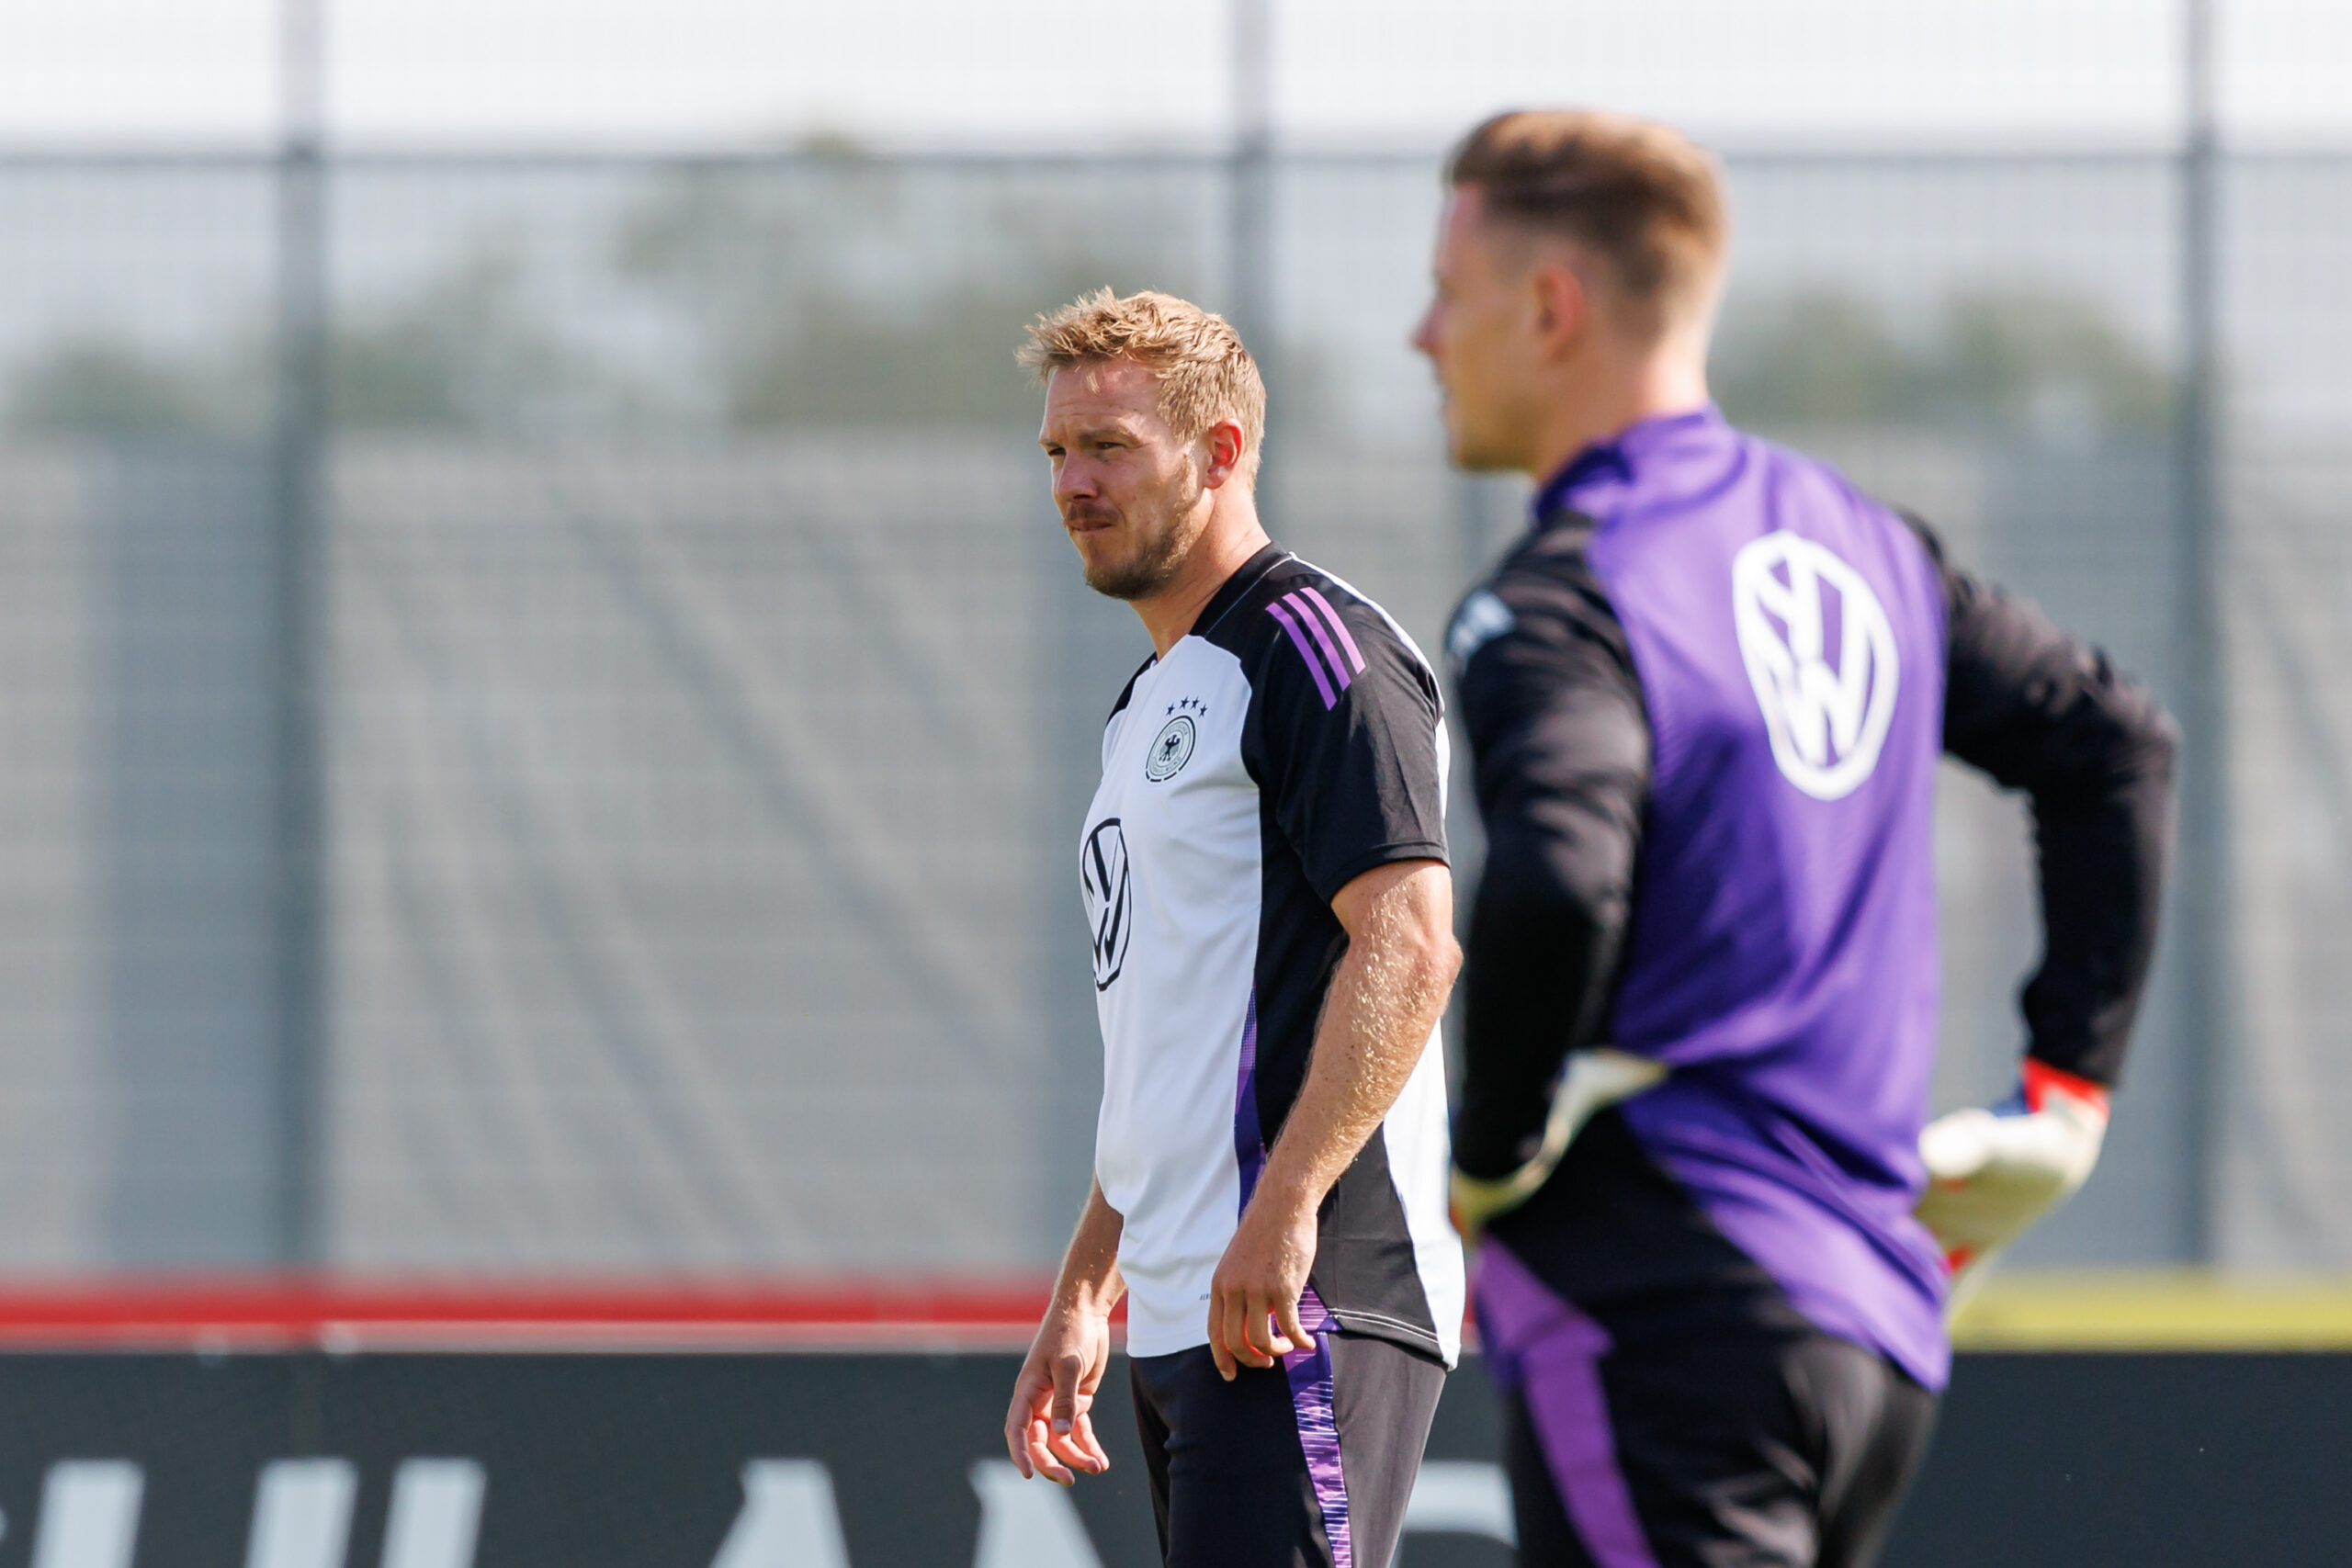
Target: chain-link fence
[[545, 710]]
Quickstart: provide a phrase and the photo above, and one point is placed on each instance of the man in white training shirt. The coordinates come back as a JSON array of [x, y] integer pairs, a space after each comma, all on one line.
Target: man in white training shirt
[[1264, 877]]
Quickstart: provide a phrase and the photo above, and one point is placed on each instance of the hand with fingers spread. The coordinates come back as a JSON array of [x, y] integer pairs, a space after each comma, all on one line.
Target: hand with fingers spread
[[1049, 1426], [1254, 1295]]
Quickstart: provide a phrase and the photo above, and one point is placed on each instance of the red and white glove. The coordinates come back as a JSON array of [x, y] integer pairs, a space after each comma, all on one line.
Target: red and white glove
[[1990, 1174]]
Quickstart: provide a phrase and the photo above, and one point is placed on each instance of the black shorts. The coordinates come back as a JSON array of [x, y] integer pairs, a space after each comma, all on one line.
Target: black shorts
[[1760, 1449], [1305, 1465]]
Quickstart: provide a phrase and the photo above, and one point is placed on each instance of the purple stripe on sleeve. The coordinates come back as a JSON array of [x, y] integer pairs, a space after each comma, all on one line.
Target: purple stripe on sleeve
[[1322, 638], [1309, 1368], [1337, 626], [1249, 1139], [1313, 665], [1554, 1350]]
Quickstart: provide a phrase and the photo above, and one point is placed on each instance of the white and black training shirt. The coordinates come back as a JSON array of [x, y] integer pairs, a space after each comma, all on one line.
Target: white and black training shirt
[[1292, 741]]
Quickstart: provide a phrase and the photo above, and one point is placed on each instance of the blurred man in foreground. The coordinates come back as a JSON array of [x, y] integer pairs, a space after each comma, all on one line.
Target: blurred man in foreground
[[1706, 696], [1264, 875]]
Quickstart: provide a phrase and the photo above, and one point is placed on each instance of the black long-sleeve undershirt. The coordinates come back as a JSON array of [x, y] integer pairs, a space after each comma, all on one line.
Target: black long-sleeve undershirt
[[1560, 738], [2040, 711]]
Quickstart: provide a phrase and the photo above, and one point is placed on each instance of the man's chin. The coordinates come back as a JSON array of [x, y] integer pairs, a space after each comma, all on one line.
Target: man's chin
[[1466, 447], [1113, 584], [1127, 578], [1472, 456]]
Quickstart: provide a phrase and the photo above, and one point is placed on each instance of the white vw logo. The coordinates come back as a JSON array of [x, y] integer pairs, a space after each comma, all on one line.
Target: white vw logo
[[1827, 717]]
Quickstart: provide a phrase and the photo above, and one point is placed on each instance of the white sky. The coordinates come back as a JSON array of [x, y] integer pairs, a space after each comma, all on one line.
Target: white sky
[[1086, 74]]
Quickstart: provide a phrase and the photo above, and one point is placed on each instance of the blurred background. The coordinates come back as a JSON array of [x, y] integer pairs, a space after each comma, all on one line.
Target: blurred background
[[545, 709]]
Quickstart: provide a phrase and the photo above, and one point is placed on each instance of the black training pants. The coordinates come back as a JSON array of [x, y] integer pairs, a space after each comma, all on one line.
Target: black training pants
[[1730, 1449], [1305, 1465]]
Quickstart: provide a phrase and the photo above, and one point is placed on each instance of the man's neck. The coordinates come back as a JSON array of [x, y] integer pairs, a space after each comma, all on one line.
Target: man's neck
[[1232, 536], [1595, 405]]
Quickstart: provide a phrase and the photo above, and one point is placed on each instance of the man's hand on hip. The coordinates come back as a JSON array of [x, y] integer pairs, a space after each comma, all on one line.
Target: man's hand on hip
[[1049, 1429], [1253, 1296]]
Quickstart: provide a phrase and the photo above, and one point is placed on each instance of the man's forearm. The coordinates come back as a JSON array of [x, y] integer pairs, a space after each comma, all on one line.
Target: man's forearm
[[1544, 935], [1383, 1003], [1090, 1273]]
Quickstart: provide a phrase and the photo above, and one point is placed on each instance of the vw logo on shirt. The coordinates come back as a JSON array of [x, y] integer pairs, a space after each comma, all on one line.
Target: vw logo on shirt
[[1820, 653], [1110, 907], [1172, 750]]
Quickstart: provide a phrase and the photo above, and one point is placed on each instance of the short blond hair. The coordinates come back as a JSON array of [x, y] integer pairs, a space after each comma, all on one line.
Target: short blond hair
[[1645, 198], [1205, 374]]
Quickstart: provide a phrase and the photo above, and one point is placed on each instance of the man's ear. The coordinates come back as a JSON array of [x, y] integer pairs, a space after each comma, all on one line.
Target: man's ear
[[1560, 307], [1225, 445]]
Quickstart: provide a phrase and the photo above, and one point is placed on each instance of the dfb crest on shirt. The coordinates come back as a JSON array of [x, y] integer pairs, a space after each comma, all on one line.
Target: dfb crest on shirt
[[1820, 653], [1110, 905], [1172, 750]]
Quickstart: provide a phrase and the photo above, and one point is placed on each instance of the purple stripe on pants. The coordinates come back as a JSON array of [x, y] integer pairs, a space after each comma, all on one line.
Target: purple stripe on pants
[[1309, 1366], [1552, 1352], [1311, 1393], [1305, 651], [1300, 608], [1339, 625]]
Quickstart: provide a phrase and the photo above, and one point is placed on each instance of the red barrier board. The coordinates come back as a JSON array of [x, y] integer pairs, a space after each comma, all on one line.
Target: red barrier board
[[295, 1312]]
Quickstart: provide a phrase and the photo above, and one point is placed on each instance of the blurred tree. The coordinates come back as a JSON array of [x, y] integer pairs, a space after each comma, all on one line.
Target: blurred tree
[[459, 354], [97, 388], [2057, 366], [463, 354], [1818, 356], [2043, 366], [844, 289]]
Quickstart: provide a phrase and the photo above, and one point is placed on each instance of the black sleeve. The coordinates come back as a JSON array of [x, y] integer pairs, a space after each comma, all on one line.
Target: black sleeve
[[1347, 757], [2044, 712], [1561, 741]]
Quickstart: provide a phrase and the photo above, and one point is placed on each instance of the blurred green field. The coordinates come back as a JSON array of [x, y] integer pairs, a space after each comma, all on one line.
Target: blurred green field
[[2180, 1309]]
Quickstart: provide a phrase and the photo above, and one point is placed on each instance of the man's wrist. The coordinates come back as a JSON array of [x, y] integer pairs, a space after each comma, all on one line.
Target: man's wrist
[[1088, 1298], [1483, 1155], [1284, 1194], [2039, 1083]]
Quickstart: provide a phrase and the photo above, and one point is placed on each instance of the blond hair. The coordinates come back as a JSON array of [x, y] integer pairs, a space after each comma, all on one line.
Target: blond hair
[[1205, 375], [1644, 197]]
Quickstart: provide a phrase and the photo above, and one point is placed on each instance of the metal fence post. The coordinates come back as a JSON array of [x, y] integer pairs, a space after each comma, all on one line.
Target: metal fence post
[[1250, 215], [2204, 866], [299, 909]]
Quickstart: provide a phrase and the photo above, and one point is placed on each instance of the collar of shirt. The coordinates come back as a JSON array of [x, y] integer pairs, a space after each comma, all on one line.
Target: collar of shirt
[[1618, 463], [1245, 577]]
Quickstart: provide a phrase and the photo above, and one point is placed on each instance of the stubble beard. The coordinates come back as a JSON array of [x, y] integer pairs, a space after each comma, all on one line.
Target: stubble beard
[[1152, 567]]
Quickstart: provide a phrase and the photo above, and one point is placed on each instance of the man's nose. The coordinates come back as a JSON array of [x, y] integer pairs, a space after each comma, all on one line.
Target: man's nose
[[1425, 333], [1074, 480]]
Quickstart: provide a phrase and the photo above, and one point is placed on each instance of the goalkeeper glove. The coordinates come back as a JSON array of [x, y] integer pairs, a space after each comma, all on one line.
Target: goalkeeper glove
[[1590, 1081], [1993, 1173]]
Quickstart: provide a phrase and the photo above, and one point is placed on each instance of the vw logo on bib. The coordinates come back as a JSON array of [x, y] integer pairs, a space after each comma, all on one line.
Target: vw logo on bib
[[1820, 653]]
